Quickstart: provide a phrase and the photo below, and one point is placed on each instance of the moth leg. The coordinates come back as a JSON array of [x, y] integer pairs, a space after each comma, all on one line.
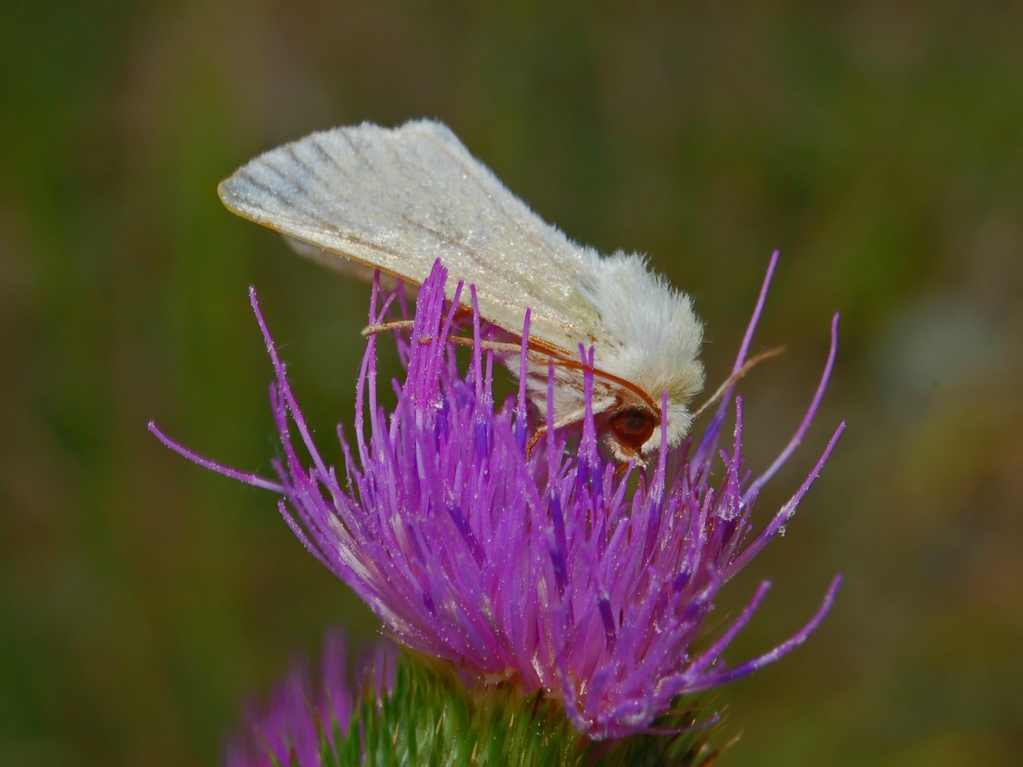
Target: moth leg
[[541, 432], [384, 327], [494, 346], [623, 467], [538, 435]]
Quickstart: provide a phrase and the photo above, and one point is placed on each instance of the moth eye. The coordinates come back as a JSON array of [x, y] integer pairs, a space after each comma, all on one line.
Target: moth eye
[[633, 428]]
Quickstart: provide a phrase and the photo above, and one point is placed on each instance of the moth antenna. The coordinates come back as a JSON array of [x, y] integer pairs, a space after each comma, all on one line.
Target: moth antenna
[[736, 376]]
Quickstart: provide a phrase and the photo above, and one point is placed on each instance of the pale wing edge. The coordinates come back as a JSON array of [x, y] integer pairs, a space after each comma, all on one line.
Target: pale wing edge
[[284, 204]]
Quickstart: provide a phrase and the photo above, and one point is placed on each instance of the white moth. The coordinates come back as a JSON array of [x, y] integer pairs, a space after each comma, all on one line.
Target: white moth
[[399, 199]]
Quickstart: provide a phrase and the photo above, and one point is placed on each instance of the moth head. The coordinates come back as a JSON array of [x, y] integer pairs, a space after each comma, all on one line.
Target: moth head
[[633, 432], [627, 431], [651, 348]]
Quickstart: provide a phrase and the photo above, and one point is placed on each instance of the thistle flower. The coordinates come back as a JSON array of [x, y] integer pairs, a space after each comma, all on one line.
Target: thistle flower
[[404, 710], [299, 717], [550, 570]]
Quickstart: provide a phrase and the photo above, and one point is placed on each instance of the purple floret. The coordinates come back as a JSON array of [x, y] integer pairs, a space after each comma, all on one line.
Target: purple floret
[[552, 570], [288, 729]]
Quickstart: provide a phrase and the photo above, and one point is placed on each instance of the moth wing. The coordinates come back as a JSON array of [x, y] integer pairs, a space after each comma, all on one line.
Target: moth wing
[[357, 270], [399, 199]]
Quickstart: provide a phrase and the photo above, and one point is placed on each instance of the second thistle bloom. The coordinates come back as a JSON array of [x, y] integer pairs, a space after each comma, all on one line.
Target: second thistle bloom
[[551, 570]]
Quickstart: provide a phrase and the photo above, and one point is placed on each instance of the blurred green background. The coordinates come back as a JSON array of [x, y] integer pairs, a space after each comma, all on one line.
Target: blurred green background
[[879, 145]]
